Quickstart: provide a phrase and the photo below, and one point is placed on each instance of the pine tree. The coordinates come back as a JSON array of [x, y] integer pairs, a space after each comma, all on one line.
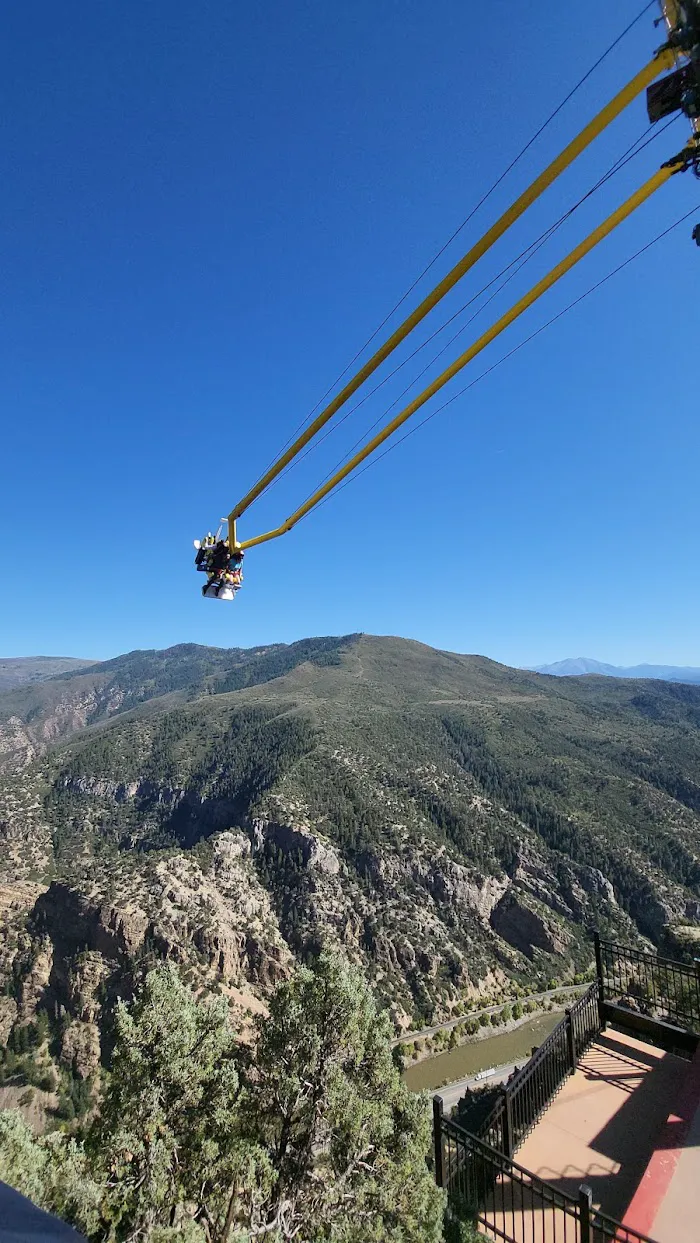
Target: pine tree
[[347, 1141], [166, 1134], [309, 1134]]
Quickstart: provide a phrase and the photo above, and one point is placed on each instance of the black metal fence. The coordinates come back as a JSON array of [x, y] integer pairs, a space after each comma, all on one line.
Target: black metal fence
[[524, 1099], [508, 1202], [659, 987], [483, 1182]]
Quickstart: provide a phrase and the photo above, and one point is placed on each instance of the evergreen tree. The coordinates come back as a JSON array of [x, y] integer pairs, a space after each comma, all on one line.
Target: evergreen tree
[[309, 1134], [166, 1136], [347, 1141], [22, 1160]]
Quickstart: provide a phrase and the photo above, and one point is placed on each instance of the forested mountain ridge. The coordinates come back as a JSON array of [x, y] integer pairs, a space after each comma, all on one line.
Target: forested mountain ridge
[[448, 821], [17, 670], [33, 716]]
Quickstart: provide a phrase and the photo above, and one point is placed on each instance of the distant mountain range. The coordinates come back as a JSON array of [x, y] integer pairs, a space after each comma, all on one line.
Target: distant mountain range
[[578, 666], [449, 820], [18, 670]]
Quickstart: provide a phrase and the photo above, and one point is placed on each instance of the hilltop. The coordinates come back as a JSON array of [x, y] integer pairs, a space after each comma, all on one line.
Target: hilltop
[[450, 822]]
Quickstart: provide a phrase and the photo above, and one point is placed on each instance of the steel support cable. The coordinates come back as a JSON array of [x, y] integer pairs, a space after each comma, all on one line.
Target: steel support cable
[[504, 358], [636, 148], [484, 199], [521, 260], [663, 60], [645, 191]]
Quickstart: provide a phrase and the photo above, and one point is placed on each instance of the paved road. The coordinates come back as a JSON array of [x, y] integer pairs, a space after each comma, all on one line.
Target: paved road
[[474, 1014], [452, 1092]]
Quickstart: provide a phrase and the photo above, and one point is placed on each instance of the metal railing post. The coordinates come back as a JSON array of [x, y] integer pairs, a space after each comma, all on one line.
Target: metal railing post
[[599, 973], [507, 1124], [571, 1041], [438, 1141], [598, 957], [585, 1204]]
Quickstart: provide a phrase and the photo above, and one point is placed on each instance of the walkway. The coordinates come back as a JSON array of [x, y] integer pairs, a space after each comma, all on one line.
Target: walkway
[[667, 1202], [602, 1130], [602, 1127]]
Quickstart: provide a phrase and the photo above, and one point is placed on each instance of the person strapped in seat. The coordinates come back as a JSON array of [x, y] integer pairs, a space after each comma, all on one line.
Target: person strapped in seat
[[222, 567]]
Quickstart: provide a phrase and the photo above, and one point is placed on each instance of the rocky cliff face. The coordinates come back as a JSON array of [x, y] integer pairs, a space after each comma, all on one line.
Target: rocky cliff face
[[428, 931], [78, 947], [22, 740]]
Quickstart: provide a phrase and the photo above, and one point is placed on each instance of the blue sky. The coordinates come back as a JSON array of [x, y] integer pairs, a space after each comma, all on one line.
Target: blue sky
[[207, 208]]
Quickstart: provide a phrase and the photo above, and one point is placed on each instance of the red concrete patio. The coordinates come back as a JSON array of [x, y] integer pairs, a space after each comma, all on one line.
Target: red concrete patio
[[666, 1204], [603, 1126], [604, 1129]]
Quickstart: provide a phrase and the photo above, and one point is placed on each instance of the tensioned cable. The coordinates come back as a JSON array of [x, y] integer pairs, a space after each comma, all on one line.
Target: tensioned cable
[[510, 354], [521, 260], [459, 229], [681, 162], [663, 58]]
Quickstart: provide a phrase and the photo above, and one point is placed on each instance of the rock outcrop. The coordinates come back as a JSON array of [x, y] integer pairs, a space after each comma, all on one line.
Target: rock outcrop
[[80, 1048], [84, 945], [524, 928]]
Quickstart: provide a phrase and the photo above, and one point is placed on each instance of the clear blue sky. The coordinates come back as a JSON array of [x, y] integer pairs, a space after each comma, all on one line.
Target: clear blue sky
[[208, 207]]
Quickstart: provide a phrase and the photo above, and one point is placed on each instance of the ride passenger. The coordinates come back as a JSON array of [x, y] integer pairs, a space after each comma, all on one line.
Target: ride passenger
[[223, 567], [219, 558], [203, 551]]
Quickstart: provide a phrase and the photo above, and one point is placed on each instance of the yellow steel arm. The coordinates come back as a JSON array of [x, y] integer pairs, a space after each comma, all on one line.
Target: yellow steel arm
[[622, 212], [663, 60]]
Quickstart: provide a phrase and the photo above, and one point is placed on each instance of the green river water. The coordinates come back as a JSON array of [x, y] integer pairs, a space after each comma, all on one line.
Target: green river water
[[468, 1059]]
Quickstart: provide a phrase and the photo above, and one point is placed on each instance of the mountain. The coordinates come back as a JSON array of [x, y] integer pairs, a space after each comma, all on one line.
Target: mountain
[[580, 665], [577, 666], [452, 823], [14, 671]]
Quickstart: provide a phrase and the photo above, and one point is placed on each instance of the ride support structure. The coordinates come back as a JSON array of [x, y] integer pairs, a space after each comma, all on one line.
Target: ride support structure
[[678, 91]]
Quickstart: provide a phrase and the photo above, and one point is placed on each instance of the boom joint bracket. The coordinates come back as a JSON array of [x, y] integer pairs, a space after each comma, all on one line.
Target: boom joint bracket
[[689, 157]]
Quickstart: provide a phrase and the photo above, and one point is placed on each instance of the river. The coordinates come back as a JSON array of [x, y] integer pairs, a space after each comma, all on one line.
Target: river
[[468, 1059]]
